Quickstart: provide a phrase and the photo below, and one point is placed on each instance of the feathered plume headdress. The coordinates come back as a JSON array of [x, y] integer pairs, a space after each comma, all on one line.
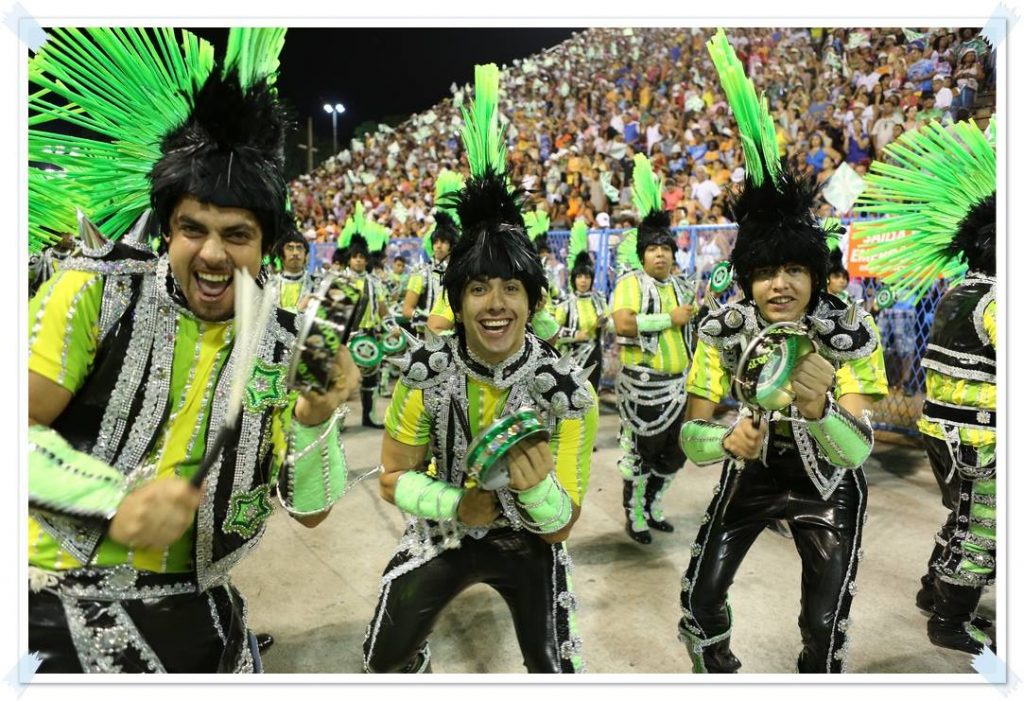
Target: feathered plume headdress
[[360, 236], [579, 260], [494, 241], [538, 223], [163, 120], [655, 223], [939, 185], [446, 219], [774, 209]]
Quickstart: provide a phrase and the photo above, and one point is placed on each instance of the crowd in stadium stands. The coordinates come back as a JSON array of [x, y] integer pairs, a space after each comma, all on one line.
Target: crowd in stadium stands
[[580, 110]]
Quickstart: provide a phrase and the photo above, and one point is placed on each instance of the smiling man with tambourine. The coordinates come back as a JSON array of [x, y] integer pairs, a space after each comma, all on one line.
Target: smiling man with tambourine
[[488, 439], [807, 368]]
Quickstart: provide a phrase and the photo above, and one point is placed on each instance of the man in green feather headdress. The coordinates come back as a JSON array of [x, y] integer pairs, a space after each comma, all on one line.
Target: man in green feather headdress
[[941, 185], [650, 307], [795, 451], [143, 492], [489, 439], [363, 240], [424, 286]]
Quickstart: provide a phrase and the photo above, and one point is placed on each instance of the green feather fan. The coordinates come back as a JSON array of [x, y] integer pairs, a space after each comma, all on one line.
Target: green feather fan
[[646, 186], [927, 184], [577, 242], [482, 133], [757, 130]]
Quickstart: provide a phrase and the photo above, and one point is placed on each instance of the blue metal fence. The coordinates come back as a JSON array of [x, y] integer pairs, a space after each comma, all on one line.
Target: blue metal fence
[[903, 327]]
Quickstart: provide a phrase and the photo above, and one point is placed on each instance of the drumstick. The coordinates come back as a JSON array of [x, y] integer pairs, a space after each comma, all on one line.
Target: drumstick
[[250, 323]]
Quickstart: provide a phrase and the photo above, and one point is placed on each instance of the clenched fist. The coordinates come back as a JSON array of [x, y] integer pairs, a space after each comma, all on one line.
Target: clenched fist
[[477, 507], [745, 440], [156, 514], [811, 380], [528, 463]]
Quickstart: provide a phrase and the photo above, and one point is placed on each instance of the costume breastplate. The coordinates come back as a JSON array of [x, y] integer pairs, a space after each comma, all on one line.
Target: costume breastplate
[[958, 345]]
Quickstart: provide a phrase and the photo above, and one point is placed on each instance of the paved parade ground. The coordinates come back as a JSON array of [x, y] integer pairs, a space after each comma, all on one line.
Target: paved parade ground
[[315, 590]]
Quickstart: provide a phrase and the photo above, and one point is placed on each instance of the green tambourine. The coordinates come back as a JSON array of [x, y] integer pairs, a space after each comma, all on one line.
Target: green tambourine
[[721, 278], [394, 346], [762, 380], [885, 298], [325, 326], [485, 460], [366, 350]]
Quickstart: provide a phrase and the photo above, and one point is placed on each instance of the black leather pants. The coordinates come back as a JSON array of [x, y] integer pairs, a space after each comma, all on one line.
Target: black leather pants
[[529, 574], [168, 634], [827, 535]]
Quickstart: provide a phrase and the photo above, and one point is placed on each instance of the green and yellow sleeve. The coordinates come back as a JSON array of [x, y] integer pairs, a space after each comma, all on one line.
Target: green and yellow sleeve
[[64, 327], [407, 420], [572, 447], [708, 377]]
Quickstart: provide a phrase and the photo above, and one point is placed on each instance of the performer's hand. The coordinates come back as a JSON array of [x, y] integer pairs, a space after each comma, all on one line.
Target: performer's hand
[[156, 514], [580, 336], [682, 314], [811, 380], [528, 463], [478, 507], [745, 440], [313, 408]]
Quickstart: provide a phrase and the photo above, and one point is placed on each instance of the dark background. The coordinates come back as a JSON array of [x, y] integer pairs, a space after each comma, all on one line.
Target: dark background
[[382, 74]]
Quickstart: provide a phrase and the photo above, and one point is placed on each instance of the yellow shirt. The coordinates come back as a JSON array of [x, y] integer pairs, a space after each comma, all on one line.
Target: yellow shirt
[[62, 346], [572, 442], [672, 355]]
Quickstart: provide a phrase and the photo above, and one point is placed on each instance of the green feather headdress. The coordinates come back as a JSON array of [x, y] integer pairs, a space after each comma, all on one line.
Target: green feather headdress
[[537, 222], [626, 253], [774, 209], [646, 187], [447, 184], [357, 225], [482, 133], [493, 241], [756, 127], [578, 245], [127, 88], [655, 223], [933, 184]]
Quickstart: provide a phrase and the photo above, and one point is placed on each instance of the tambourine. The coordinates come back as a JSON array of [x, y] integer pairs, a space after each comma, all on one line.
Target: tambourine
[[762, 376], [485, 459], [885, 298], [366, 350], [721, 278], [393, 345], [333, 311]]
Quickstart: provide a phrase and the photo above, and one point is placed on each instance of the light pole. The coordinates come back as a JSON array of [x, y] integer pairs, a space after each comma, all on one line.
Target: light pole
[[334, 111]]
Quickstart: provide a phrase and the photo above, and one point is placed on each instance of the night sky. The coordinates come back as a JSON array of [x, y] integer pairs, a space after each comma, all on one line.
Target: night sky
[[385, 72]]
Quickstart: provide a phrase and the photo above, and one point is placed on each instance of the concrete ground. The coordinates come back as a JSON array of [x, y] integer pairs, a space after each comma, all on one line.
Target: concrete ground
[[315, 590]]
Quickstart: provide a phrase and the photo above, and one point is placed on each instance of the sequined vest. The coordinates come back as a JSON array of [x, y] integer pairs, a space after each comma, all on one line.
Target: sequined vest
[[120, 410], [958, 345]]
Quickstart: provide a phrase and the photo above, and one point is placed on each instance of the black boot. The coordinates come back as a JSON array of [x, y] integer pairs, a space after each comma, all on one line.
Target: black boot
[[951, 626], [925, 599], [715, 658], [657, 485], [264, 641], [368, 419], [633, 502]]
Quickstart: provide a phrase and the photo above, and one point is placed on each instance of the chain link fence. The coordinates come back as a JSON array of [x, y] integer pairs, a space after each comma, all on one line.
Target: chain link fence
[[903, 327]]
